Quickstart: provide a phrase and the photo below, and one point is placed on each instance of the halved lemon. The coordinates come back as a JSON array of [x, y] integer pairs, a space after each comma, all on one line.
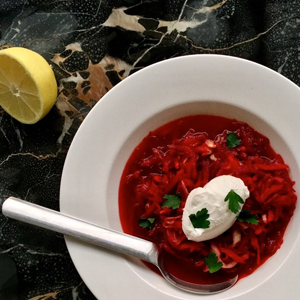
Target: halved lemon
[[28, 88]]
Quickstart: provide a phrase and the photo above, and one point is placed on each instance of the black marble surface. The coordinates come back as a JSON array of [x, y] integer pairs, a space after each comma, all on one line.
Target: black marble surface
[[92, 45]]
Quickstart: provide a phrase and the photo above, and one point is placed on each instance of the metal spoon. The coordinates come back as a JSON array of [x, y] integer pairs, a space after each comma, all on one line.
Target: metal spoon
[[120, 242]]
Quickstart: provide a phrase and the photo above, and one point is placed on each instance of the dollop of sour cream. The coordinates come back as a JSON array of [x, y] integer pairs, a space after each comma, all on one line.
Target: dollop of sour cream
[[212, 197]]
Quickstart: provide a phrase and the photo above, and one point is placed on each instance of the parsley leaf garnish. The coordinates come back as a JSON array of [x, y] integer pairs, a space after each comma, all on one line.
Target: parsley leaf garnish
[[232, 140], [199, 220], [212, 262], [172, 201], [246, 216], [146, 223], [235, 201]]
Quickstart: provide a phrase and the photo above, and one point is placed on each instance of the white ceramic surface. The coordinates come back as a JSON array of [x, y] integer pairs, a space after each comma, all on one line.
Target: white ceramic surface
[[199, 84]]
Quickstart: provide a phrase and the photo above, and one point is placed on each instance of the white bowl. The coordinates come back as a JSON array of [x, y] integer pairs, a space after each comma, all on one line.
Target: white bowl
[[198, 84]]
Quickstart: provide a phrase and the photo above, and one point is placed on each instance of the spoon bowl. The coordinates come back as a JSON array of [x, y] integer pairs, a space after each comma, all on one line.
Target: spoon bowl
[[113, 240]]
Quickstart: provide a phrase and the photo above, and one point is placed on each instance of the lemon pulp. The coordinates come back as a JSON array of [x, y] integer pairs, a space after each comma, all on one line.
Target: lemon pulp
[[28, 88]]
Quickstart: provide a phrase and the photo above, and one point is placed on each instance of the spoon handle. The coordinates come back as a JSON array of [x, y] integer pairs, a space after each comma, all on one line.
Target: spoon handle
[[53, 220]]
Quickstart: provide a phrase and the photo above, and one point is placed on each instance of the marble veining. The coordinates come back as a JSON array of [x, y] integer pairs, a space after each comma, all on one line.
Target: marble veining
[[92, 46]]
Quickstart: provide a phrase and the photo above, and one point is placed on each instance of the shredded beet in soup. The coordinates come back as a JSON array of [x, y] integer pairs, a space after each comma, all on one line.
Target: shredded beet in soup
[[185, 154]]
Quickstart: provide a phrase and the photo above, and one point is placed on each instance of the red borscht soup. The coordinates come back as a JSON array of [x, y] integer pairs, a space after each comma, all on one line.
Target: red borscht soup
[[185, 154]]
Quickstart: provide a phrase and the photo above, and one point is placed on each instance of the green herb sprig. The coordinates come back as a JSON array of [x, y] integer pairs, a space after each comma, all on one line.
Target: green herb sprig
[[212, 263], [235, 201], [232, 140], [147, 223], [246, 216], [172, 201], [200, 219]]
